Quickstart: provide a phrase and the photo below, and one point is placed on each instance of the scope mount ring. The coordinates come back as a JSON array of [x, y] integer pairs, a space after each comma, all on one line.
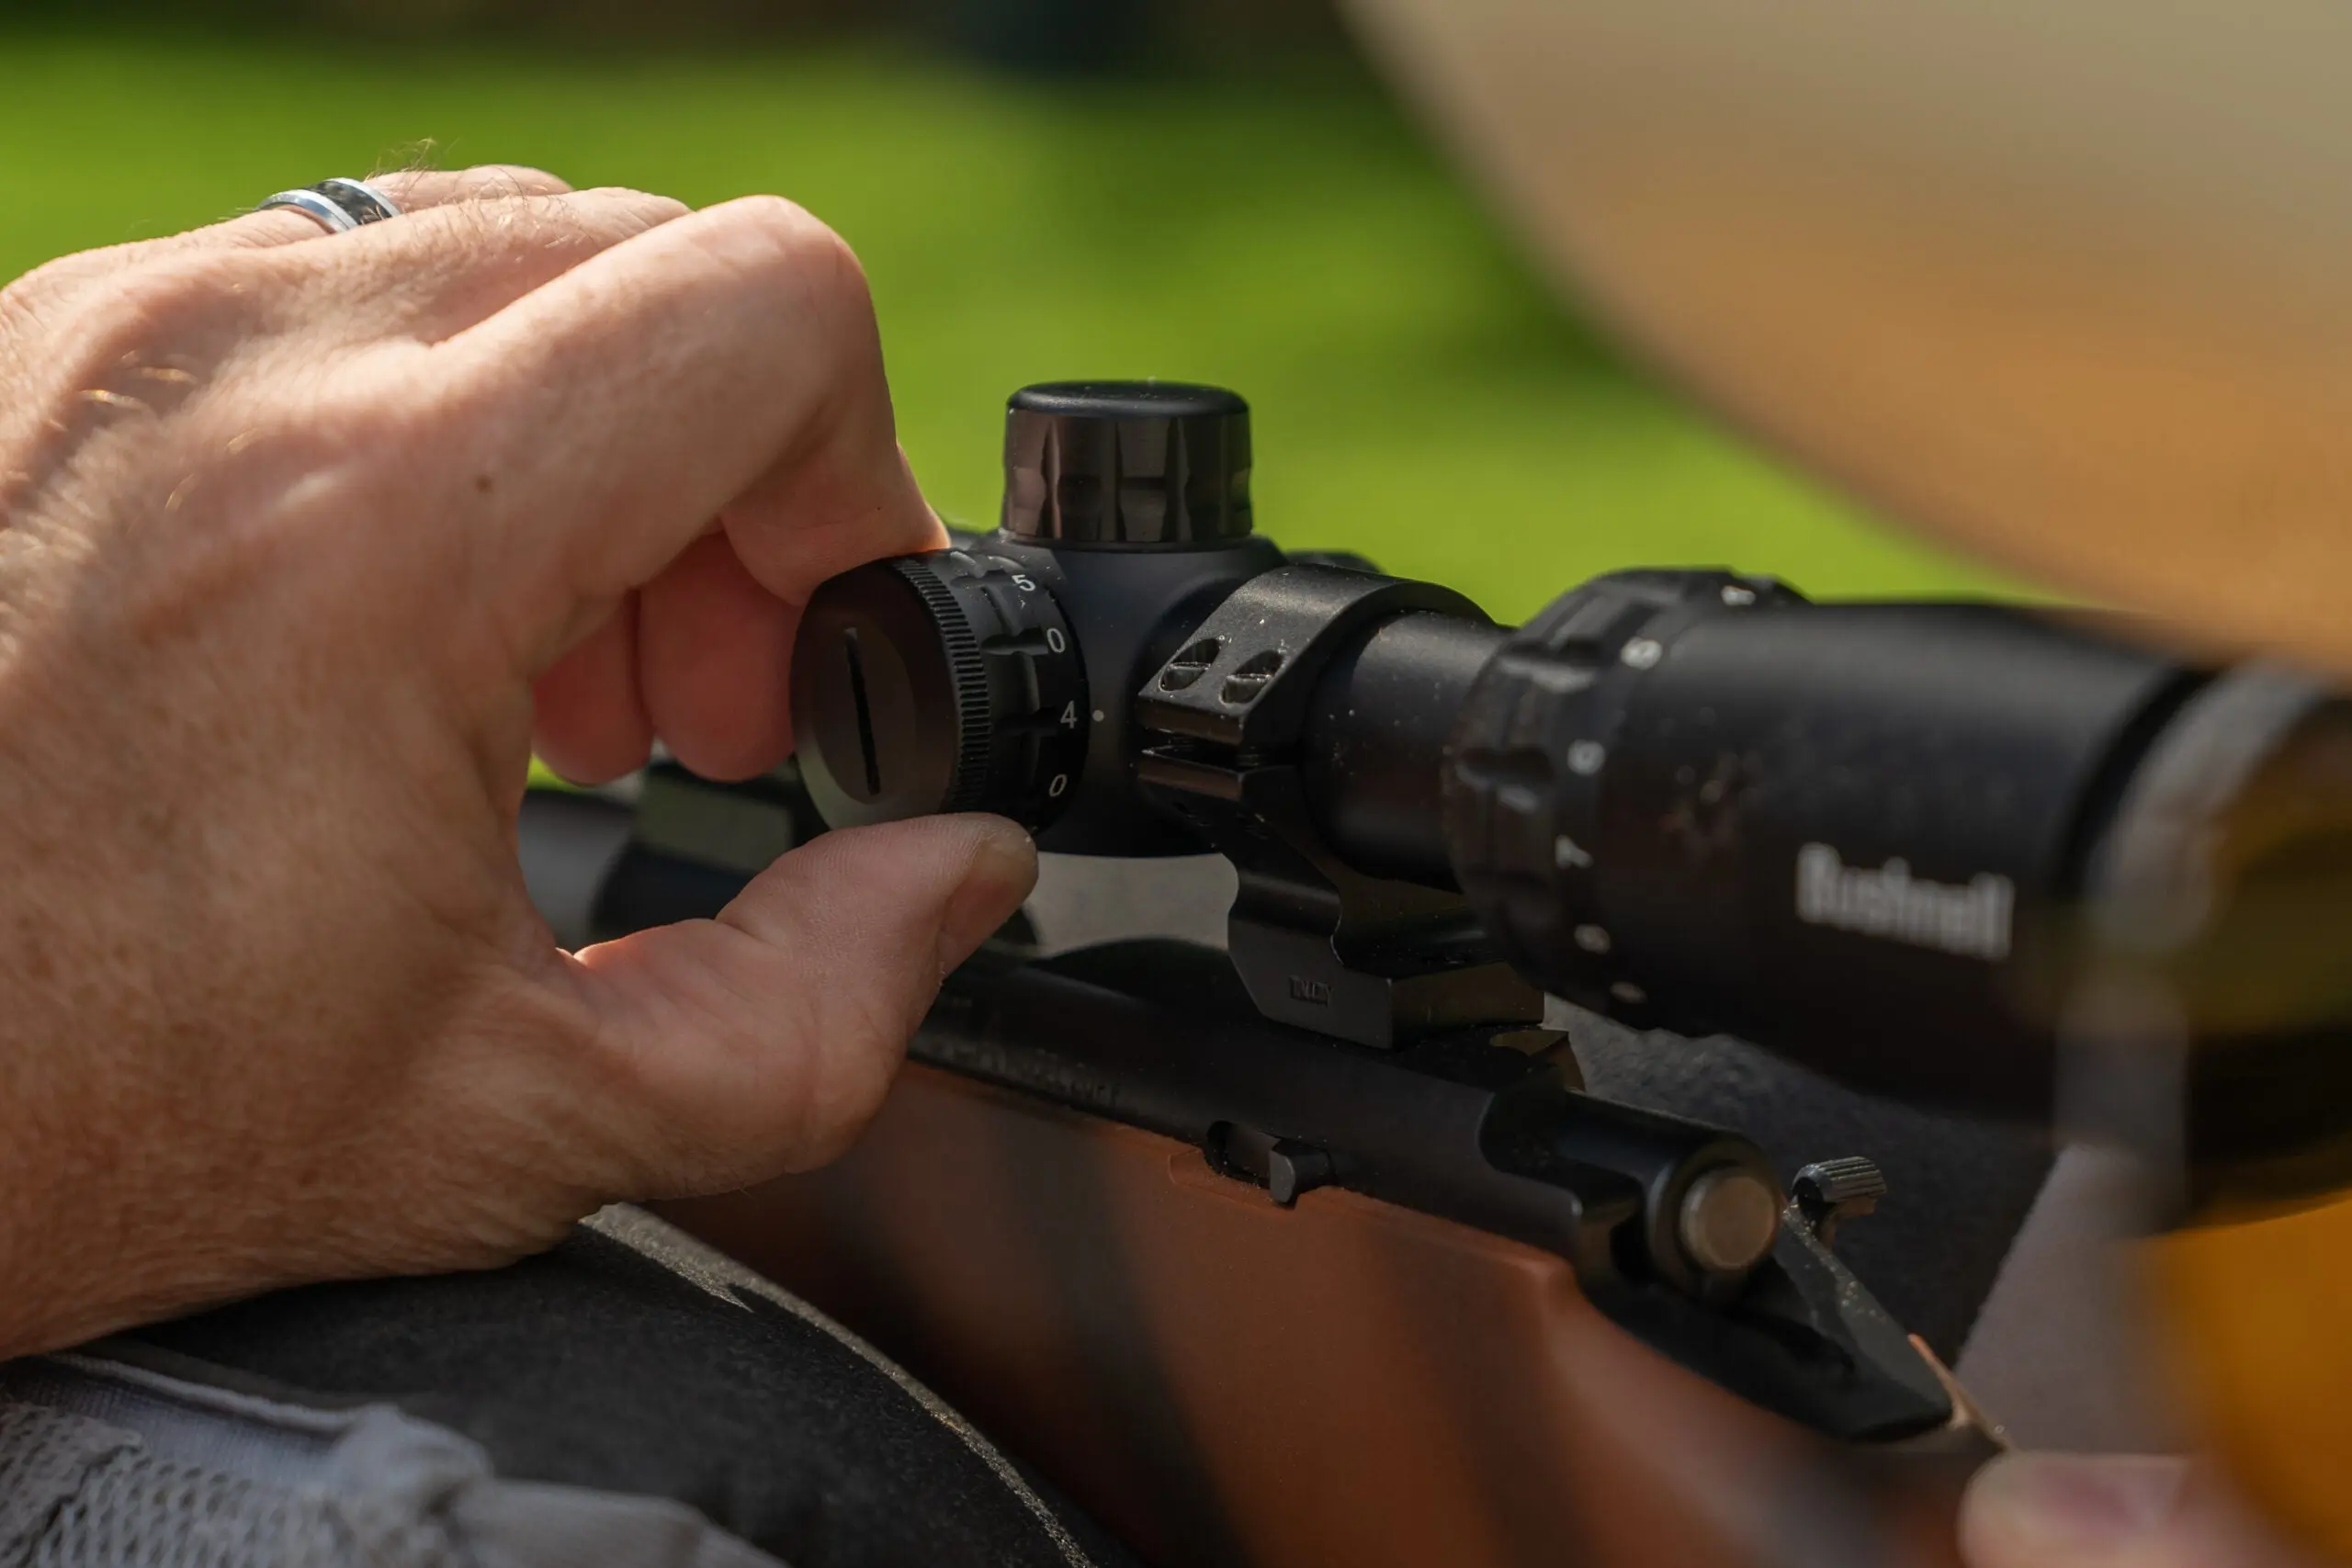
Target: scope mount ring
[[1318, 944]]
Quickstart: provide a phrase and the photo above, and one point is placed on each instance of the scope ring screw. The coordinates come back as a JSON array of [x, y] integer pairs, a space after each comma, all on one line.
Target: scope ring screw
[[1642, 653], [1592, 939], [1246, 684], [1191, 663], [1828, 1192], [1585, 757]]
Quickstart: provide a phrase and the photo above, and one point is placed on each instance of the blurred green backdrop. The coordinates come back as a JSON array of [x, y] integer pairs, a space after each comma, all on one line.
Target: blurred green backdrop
[[1417, 394]]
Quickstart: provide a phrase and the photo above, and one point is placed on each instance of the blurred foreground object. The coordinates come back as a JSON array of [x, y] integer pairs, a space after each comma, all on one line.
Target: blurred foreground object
[[2262, 1312], [2068, 283]]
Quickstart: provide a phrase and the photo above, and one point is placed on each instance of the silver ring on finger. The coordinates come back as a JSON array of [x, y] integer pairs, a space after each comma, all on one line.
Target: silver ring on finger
[[339, 206]]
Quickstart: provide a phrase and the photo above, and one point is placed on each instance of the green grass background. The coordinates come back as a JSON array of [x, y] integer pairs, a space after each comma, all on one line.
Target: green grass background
[[1417, 394]]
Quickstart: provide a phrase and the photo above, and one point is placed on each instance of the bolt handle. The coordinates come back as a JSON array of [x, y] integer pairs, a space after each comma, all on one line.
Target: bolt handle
[[1830, 1192]]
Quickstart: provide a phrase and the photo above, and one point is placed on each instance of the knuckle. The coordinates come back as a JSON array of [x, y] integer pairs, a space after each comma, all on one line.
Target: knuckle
[[180, 302], [35, 297], [797, 244], [857, 1047], [74, 301], [138, 337], [30, 308]]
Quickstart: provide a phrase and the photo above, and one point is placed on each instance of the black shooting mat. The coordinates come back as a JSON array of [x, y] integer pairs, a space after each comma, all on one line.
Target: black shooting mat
[[632, 1359]]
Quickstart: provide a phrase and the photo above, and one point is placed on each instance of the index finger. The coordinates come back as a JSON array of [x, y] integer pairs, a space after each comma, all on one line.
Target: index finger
[[725, 364]]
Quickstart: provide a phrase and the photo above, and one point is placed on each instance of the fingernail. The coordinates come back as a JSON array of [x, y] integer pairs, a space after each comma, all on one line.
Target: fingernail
[[1003, 870], [2070, 1502]]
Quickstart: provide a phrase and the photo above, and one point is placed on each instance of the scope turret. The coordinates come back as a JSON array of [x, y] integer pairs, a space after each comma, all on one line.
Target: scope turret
[[1134, 465], [972, 680]]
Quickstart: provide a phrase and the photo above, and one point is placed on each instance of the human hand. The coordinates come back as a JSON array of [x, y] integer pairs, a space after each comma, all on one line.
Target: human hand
[[2112, 1511], [297, 532]]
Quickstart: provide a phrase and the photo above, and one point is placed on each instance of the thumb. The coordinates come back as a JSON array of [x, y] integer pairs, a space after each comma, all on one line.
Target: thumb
[[761, 1041], [2112, 1511]]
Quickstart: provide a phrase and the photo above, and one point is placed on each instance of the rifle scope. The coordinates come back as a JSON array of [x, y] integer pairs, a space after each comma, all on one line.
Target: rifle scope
[[1915, 845]]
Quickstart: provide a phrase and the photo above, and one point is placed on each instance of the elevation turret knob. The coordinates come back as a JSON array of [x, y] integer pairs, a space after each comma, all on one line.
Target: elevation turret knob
[[939, 682], [1134, 465]]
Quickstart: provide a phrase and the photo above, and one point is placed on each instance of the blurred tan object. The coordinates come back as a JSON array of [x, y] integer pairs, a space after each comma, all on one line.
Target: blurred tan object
[[2068, 283]]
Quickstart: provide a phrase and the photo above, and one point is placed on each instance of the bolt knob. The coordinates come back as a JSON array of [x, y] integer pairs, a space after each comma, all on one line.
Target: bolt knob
[[1135, 465], [947, 682], [1728, 1220]]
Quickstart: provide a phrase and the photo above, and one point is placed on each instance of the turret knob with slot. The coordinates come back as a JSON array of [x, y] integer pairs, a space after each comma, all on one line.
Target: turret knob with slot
[[938, 682]]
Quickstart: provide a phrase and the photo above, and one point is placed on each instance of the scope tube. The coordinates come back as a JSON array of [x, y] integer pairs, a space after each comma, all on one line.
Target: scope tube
[[1929, 849], [1854, 833], [1376, 736]]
